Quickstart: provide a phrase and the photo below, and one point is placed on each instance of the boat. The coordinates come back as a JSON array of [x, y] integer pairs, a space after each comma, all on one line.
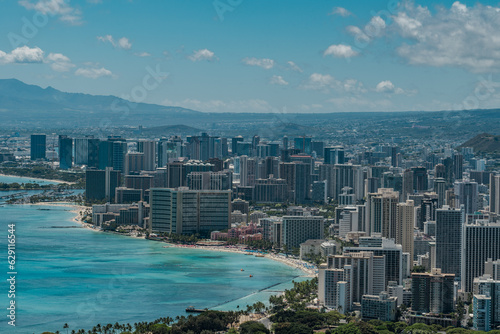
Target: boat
[[250, 276], [242, 270]]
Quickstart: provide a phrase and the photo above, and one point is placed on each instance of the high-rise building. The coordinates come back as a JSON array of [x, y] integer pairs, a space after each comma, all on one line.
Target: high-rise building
[[458, 166], [65, 152], [38, 146], [101, 184], [134, 163], [405, 223], [448, 239], [381, 213], [440, 190], [432, 292], [334, 155], [420, 180], [488, 290], [234, 144], [148, 148], [482, 313], [467, 194], [303, 144], [481, 241], [298, 178], [87, 152], [184, 211], [408, 184], [210, 180], [391, 251], [381, 307], [298, 229], [495, 194], [346, 278], [271, 190]]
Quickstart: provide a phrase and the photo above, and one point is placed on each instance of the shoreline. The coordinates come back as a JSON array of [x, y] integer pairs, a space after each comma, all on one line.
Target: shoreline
[[38, 179], [294, 263]]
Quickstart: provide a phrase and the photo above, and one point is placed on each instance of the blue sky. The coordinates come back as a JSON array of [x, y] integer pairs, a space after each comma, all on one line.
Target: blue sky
[[260, 56]]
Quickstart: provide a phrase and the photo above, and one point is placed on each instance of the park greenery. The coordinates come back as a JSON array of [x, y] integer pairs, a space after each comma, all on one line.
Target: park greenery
[[48, 173]]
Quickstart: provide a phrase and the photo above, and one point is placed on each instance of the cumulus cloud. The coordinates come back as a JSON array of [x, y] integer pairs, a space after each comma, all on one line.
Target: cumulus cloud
[[265, 63], [278, 80], [374, 28], [23, 54], [59, 8], [340, 11], [388, 87], [326, 82], [203, 54], [93, 72], [294, 67], [458, 36], [122, 43], [59, 62], [340, 51]]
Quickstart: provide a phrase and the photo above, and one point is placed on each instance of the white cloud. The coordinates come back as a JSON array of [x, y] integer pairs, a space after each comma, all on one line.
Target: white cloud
[[294, 67], [326, 82], [23, 54], [59, 8], [374, 28], [457, 36], [340, 11], [340, 51], [59, 62], [122, 43], [278, 80], [265, 63], [93, 73], [203, 54], [142, 54], [388, 87]]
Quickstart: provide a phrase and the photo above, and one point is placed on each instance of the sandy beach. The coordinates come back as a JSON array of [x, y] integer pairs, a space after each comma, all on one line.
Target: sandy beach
[[295, 263], [38, 179], [79, 211]]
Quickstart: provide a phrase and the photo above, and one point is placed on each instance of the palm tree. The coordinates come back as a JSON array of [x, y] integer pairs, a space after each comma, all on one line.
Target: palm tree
[[66, 326]]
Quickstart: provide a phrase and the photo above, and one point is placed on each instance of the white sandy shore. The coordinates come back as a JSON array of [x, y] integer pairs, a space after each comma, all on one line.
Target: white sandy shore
[[38, 179], [298, 264]]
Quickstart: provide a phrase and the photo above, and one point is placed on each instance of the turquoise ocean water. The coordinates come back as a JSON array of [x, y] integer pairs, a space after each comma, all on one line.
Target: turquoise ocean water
[[83, 277]]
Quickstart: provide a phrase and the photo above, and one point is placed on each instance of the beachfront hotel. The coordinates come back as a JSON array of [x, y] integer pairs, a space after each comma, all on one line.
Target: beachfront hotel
[[184, 211]]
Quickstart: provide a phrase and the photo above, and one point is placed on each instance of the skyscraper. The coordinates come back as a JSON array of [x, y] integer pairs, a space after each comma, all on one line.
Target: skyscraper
[[381, 213], [449, 239], [298, 229], [432, 292], [38, 146], [481, 241], [405, 226], [148, 147], [467, 194], [65, 152], [184, 211], [101, 184], [495, 193]]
